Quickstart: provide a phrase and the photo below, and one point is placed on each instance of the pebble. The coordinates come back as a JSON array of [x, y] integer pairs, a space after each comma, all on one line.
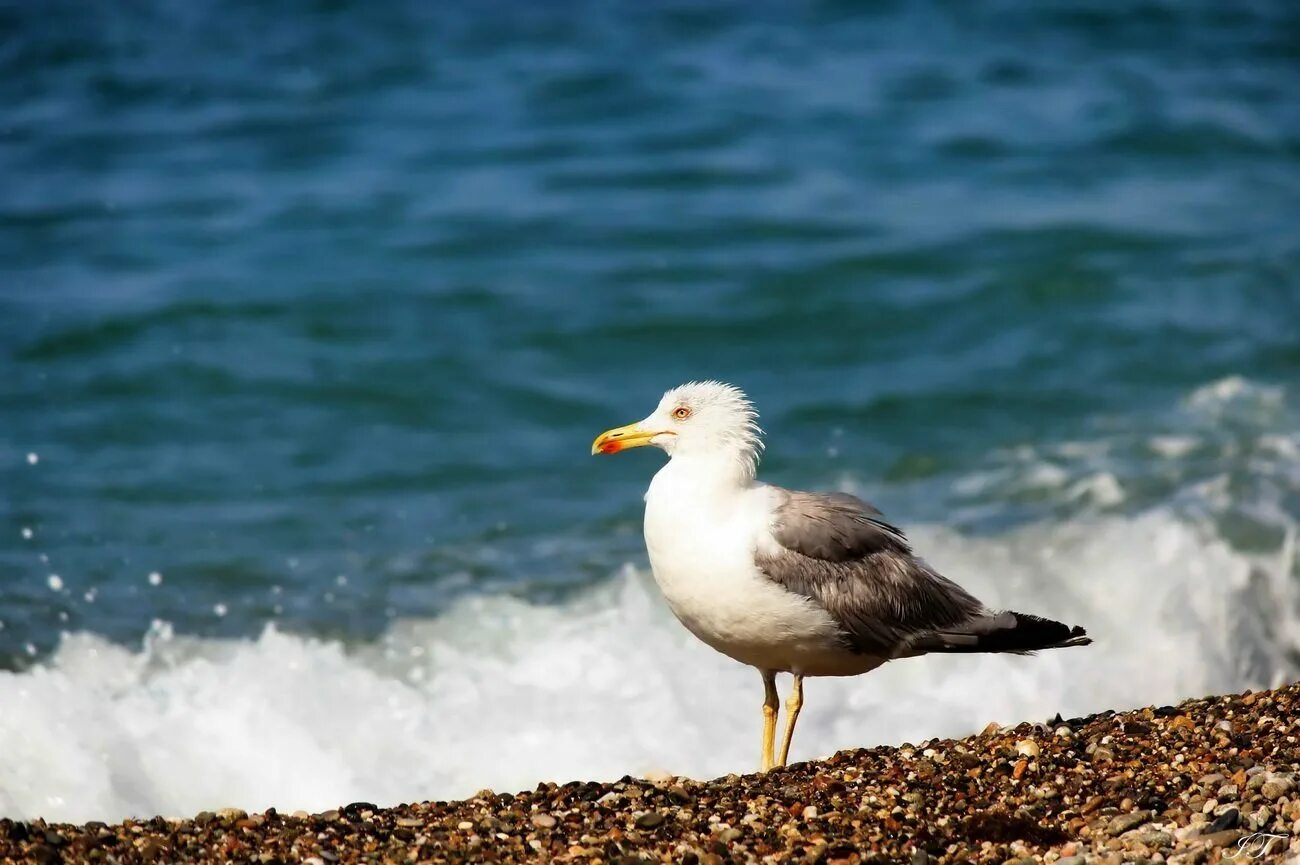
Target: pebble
[[649, 820], [1229, 819], [1125, 822], [1218, 839], [1156, 838], [1276, 787]]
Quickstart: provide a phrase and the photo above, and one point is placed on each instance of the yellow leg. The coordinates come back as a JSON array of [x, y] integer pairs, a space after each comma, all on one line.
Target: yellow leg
[[792, 707], [771, 702]]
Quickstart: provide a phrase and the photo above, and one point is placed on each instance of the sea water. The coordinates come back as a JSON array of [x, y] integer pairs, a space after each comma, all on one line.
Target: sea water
[[309, 313]]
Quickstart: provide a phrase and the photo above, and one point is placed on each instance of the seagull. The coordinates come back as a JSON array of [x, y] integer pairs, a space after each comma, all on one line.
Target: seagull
[[809, 584]]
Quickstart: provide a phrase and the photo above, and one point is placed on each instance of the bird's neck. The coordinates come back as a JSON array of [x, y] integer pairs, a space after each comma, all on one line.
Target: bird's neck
[[714, 475]]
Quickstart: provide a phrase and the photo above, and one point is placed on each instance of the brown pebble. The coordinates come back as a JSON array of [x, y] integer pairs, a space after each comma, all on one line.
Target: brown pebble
[[1125, 822], [824, 782], [1219, 839]]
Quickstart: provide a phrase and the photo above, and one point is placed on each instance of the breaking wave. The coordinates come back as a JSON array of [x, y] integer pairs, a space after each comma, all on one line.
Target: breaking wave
[[504, 693]]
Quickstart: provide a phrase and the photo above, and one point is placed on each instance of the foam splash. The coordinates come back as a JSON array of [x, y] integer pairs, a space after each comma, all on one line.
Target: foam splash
[[503, 693]]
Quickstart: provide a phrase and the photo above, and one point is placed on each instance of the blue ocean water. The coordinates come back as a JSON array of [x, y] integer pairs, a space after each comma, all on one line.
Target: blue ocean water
[[309, 313]]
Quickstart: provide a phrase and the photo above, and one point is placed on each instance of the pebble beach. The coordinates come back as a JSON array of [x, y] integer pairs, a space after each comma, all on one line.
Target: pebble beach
[[1209, 780]]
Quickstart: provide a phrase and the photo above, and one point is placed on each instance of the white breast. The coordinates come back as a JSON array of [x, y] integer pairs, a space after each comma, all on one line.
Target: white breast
[[701, 541]]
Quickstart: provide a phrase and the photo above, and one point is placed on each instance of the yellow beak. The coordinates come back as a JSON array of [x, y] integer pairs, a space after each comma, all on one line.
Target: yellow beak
[[624, 437]]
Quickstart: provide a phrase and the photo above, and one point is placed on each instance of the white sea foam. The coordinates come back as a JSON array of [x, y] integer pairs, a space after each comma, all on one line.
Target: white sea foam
[[1102, 488], [1235, 392], [1173, 447], [502, 693]]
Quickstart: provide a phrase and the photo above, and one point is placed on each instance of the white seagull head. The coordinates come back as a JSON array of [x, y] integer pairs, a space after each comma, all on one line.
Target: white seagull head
[[706, 420]]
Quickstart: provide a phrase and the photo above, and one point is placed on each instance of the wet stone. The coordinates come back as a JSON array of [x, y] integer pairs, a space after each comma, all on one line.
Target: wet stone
[[649, 820], [1229, 819], [358, 809]]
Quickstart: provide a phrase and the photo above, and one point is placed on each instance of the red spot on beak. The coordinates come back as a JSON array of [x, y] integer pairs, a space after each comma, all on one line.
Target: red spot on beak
[[610, 447]]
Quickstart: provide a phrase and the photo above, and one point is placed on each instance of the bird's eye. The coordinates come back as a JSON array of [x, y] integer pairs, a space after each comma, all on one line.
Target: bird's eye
[[681, 412]]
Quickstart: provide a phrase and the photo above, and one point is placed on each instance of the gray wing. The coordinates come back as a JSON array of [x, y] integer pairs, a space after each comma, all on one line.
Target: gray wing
[[836, 550]]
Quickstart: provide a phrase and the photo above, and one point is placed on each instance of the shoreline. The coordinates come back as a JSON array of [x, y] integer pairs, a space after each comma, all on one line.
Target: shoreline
[[1182, 783]]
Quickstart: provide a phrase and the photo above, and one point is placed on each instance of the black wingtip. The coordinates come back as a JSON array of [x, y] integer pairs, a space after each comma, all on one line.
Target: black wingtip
[[1009, 631], [1078, 637], [1032, 633]]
